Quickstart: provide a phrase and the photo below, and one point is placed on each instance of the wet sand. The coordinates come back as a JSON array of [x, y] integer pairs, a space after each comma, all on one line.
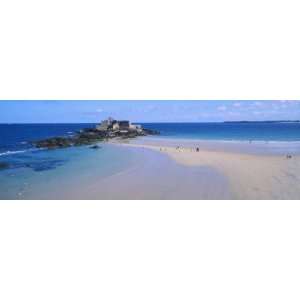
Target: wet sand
[[155, 176], [114, 172], [250, 176]]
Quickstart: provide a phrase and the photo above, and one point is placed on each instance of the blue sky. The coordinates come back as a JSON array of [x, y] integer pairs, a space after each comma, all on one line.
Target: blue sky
[[146, 111]]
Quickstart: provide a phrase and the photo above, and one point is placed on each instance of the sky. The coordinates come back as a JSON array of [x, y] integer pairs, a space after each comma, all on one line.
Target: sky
[[146, 111]]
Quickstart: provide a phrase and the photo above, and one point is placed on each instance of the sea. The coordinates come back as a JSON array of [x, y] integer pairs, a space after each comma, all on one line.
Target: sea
[[230, 131], [22, 165]]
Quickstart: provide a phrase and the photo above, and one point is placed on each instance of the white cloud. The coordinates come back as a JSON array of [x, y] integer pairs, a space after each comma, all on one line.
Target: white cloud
[[99, 110], [237, 104], [258, 104], [222, 108]]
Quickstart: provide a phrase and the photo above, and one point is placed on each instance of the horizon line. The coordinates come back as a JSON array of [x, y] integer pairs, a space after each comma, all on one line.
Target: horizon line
[[155, 122]]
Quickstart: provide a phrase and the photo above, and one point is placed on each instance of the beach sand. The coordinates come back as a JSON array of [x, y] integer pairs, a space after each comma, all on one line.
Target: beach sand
[[155, 176], [249, 176]]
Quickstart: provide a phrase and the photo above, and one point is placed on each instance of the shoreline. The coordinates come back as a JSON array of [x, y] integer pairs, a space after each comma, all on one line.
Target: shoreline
[[258, 141], [233, 146]]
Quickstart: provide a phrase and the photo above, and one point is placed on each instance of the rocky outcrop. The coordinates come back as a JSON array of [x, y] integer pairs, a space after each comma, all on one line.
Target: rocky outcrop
[[3, 165], [150, 132], [52, 143], [85, 138], [95, 147], [90, 136]]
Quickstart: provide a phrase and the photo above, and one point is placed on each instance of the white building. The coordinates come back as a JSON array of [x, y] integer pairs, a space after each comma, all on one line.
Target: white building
[[115, 126], [138, 128]]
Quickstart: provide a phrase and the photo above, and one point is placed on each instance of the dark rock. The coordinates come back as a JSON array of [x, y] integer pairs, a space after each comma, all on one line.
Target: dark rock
[[52, 143], [4, 165], [88, 136], [95, 147], [150, 131]]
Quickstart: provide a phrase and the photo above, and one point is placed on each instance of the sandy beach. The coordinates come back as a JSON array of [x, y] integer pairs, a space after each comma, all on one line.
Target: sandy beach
[[154, 175], [249, 176], [160, 169]]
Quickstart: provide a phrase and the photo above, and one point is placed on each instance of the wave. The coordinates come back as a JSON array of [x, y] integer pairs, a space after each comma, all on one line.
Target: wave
[[18, 151]]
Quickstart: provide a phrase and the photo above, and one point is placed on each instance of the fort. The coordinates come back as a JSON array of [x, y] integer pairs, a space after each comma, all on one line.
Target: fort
[[104, 131]]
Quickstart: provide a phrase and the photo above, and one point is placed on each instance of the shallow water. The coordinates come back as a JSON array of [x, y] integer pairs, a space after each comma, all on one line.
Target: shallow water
[[153, 175], [113, 172], [53, 171]]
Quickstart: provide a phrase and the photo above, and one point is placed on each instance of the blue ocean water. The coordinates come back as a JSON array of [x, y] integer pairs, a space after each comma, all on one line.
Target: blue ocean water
[[239, 131]]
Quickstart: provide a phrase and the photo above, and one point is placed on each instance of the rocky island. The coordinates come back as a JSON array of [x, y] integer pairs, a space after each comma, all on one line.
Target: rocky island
[[106, 130]]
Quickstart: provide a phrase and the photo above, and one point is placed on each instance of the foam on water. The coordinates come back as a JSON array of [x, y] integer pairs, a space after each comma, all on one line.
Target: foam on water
[[19, 151]]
